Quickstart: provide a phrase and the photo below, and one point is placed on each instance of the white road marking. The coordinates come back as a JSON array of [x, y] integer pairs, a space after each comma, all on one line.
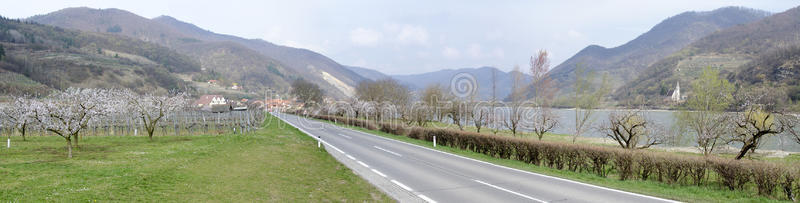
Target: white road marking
[[351, 157], [312, 136], [429, 200], [345, 136], [479, 161], [387, 151], [518, 170], [363, 164], [509, 191], [402, 186], [379, 173]]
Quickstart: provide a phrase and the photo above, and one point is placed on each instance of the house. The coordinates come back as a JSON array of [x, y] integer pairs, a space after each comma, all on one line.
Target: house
[[278, 104], [211, 103]]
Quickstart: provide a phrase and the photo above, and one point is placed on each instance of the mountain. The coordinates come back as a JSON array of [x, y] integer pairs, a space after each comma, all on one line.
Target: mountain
[[368, 73], [39, 58], [256, 64], [625, 62], [482, 75], [763, 52], [314, 66]]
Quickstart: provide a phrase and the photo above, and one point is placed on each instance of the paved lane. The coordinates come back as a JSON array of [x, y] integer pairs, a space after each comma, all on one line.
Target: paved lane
[[436, 176]]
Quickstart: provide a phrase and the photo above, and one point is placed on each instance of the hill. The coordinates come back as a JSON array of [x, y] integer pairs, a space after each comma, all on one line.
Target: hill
[[224, 57], [315, 67], [39, 58], [625, 62], [482, 75], [368, 73], [763, 52]]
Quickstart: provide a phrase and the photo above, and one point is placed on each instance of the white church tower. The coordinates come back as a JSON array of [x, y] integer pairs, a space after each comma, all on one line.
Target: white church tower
[[676, 95]]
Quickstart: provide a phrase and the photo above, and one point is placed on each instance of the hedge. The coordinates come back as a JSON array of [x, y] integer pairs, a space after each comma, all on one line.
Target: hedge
[[627, 164]]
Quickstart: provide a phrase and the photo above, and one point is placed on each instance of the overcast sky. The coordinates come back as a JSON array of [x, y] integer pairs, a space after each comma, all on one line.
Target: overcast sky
[[402, 37]]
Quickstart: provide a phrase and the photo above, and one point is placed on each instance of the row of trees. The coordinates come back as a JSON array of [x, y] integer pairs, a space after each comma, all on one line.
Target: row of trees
[[704, 116], [67, 113]]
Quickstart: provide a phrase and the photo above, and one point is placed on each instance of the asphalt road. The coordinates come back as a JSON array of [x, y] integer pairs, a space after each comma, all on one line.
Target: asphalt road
[[436, 176]]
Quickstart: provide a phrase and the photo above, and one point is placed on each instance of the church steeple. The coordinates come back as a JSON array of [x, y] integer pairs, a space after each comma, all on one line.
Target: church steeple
[[676, 95]]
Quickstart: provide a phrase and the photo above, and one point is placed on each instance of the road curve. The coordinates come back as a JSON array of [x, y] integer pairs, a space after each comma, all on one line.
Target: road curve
[[436, 176]]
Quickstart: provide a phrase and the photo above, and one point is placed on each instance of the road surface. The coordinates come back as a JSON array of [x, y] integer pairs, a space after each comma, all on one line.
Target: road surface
[[436, 176]]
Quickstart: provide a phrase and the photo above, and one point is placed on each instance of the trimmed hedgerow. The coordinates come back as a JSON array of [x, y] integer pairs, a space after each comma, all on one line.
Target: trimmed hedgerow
[[627, 164]]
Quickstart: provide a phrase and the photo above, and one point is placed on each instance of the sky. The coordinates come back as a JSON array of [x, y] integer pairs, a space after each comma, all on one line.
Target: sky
[[410, 36]]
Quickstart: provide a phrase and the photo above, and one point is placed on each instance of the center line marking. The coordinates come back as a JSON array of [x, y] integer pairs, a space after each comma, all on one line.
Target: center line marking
[[509, 191], [379, 173], [363, 164], [402, 186], [345, 136], [387, 151]]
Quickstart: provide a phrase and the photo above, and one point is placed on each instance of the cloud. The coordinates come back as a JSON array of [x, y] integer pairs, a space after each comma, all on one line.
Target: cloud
[[409, 34], [451, 53], [365, 37]]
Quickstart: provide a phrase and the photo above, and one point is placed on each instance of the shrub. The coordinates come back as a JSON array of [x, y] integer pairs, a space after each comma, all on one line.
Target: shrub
[[696, 169], [668, 168], [599, 159], [766, 176], [623, 160], [393, 128], [646, 164], [732, 173]]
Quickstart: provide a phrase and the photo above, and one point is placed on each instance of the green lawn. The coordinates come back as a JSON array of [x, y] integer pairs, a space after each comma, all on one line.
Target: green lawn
[[277, 163], [680, 192]]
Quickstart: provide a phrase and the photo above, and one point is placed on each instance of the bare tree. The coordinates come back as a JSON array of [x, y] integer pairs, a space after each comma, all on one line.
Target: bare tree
[[434, 96], [586, 99], [790, 123], [19, 114], [758, 120], [516, 107], [387, 94], [480, 115], [152, 108], [544, 119], [308, 93], [704, 115], [67, 113], [631, 128]]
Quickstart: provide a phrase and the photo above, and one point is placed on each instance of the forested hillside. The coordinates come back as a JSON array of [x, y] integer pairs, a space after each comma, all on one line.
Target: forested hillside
[[761, 53], [624, 63], [41, 57]]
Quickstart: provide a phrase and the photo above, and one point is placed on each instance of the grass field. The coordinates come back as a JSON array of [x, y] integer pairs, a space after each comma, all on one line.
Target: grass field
[[277, 164], [680, 192]]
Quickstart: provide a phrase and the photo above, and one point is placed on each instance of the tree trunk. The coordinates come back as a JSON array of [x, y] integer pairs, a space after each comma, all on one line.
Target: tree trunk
[[744, 150], [69, 148]]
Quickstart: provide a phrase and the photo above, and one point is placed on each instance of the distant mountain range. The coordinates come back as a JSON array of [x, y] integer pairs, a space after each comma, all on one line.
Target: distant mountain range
[[624, 63], [116, 48], [483, 79], [255, 63]]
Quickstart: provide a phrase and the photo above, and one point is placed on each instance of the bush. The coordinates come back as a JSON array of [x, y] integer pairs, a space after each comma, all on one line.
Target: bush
[[732, 173], [646, 165], [623, 160], [766, 176], [628, 164]]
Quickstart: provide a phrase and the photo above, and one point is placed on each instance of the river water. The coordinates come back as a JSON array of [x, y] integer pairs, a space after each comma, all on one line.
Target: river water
[[663, 118]]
